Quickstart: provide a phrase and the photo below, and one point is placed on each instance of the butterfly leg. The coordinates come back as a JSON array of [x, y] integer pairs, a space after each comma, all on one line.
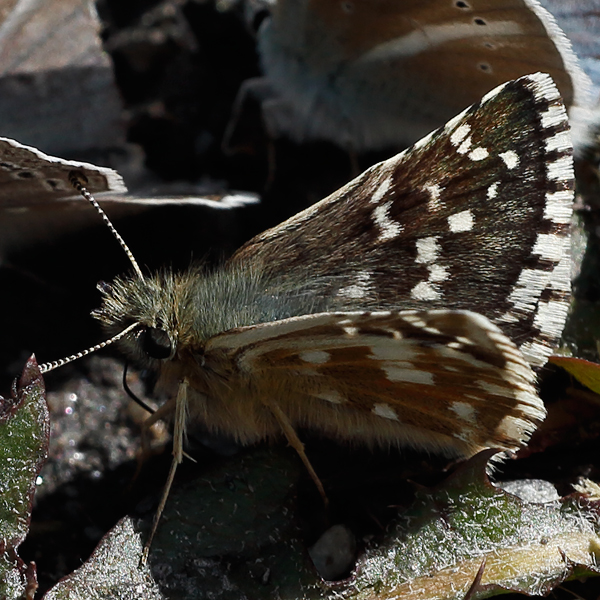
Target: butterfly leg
[[181, 409], [297, 445], [165, 410]]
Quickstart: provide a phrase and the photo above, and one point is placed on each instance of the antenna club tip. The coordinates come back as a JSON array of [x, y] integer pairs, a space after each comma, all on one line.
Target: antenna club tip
[[78, 179]]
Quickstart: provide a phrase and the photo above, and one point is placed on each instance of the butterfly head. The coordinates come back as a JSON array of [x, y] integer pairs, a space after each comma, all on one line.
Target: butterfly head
[[149, 303]]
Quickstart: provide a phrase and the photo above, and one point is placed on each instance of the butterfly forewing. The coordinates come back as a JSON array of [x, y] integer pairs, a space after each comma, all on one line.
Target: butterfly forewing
[[476, 217], [385, 376]]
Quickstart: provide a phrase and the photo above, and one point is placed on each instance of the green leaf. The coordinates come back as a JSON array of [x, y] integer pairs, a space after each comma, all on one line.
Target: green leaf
[[586, 372], [233, 533], [112, 572], [436, 549], [24, 435]]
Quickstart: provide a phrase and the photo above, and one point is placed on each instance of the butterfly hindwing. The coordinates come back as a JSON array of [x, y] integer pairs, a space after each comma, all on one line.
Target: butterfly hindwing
[[393, 375]]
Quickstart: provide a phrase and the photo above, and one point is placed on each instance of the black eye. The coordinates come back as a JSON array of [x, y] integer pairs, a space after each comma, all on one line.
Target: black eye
[[155, 342]]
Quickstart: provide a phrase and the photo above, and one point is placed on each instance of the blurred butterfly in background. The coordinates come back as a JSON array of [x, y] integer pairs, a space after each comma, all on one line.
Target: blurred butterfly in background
[[58, 92], [37, 203], [383, 73]]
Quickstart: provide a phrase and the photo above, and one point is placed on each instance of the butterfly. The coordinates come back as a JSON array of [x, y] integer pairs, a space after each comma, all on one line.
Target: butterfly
[[372, 75], [408, 308]]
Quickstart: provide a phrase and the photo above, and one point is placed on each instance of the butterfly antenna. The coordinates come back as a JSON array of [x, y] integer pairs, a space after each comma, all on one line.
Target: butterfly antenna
[[78, 181], [50, 366]]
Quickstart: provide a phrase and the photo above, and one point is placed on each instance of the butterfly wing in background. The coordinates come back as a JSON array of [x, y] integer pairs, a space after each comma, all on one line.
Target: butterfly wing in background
[[580, 20], [37, 200], [383, 73], [475, 217]]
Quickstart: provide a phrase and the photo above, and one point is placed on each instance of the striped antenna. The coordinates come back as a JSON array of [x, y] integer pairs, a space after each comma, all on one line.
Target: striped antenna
[[50, 366], [78, 181]]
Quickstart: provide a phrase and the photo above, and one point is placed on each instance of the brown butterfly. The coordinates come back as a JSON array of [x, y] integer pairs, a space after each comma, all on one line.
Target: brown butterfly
[[407, 308]]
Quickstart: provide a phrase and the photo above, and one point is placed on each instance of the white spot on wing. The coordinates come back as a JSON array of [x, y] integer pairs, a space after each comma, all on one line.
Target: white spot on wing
[[535, 352], [528, 288], [559, 206], [438, 273], [385, 411], [423, 141], [389, 229], [315, 357], [541, 84], [550, 317], [560, 279], [465, 411], [478, 154], [508, 317], [425, 291], [493, 388], [332, 396], [510, 158], [462, 221], [435, 192], [432, 330], [551, 247], [456, 122], [555, 115], [514, 428], [465, 146], [492, 191], [561, 169], [560, 141], [381, 191], [413, 319], [459, 134], [396, 373], [427, 250], [359, 289]]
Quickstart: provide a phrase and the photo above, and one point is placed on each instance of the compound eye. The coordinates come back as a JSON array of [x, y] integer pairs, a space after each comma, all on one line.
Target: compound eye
[[155, 342]]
